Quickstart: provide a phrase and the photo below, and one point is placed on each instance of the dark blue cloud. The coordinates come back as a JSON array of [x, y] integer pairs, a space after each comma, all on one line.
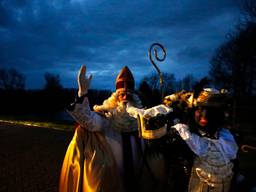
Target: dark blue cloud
[[58, 36]]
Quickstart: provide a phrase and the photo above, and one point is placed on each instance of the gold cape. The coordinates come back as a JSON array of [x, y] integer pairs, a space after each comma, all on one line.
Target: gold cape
[[89, 165]]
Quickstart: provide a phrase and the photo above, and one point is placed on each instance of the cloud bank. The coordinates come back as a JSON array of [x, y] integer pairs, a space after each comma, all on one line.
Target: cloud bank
[[58, 36]]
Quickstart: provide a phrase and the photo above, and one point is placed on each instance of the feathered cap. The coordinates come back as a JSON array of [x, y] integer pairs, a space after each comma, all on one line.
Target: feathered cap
[[125, 80], [211, 98]]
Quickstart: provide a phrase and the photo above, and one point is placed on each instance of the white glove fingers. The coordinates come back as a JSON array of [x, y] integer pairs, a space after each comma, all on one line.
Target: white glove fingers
[[90, 77], [81, 72]]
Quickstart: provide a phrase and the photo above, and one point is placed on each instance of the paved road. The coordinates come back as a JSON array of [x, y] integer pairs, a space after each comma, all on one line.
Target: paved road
[[31, 158]]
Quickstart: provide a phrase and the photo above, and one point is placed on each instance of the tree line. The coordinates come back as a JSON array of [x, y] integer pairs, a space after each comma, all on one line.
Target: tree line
[[42, 103], [53, 97], [232, 67]]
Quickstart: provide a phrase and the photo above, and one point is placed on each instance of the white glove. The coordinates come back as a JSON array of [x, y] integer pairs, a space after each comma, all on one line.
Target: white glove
[[83, 81]]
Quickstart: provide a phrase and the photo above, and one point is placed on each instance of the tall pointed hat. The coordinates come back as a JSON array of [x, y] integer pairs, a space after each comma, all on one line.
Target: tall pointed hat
[[125, 80]]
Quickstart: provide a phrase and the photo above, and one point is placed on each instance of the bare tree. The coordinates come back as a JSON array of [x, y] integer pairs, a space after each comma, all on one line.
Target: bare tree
[[234, 64], [52, 82], [11, 79], [169, 83], [186, 83], [250, 10]]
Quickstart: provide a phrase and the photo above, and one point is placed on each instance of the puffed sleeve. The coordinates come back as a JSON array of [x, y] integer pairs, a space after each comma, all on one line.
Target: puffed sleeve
[[82, 114], [133, 111], [196, 143], [151, 112], [228, 144]]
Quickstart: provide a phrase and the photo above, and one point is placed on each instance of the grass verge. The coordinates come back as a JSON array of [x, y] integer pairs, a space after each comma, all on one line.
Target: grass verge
[[65, 126]]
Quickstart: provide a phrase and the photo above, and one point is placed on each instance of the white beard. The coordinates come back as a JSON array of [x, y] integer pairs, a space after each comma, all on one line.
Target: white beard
[[116, 112], [121, 120]]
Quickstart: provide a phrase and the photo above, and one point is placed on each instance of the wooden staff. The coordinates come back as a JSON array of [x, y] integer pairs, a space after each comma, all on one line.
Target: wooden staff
[[154, 47]]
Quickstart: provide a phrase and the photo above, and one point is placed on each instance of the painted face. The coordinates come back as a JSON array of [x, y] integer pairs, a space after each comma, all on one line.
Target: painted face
[[200, 117]]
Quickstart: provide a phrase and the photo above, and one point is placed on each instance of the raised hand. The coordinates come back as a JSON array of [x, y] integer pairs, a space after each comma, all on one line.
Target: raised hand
[[83, 81]]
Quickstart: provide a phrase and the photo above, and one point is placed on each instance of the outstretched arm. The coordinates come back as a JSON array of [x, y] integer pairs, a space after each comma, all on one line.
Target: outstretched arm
[[196, 143], [80, 109], [83, 81]]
